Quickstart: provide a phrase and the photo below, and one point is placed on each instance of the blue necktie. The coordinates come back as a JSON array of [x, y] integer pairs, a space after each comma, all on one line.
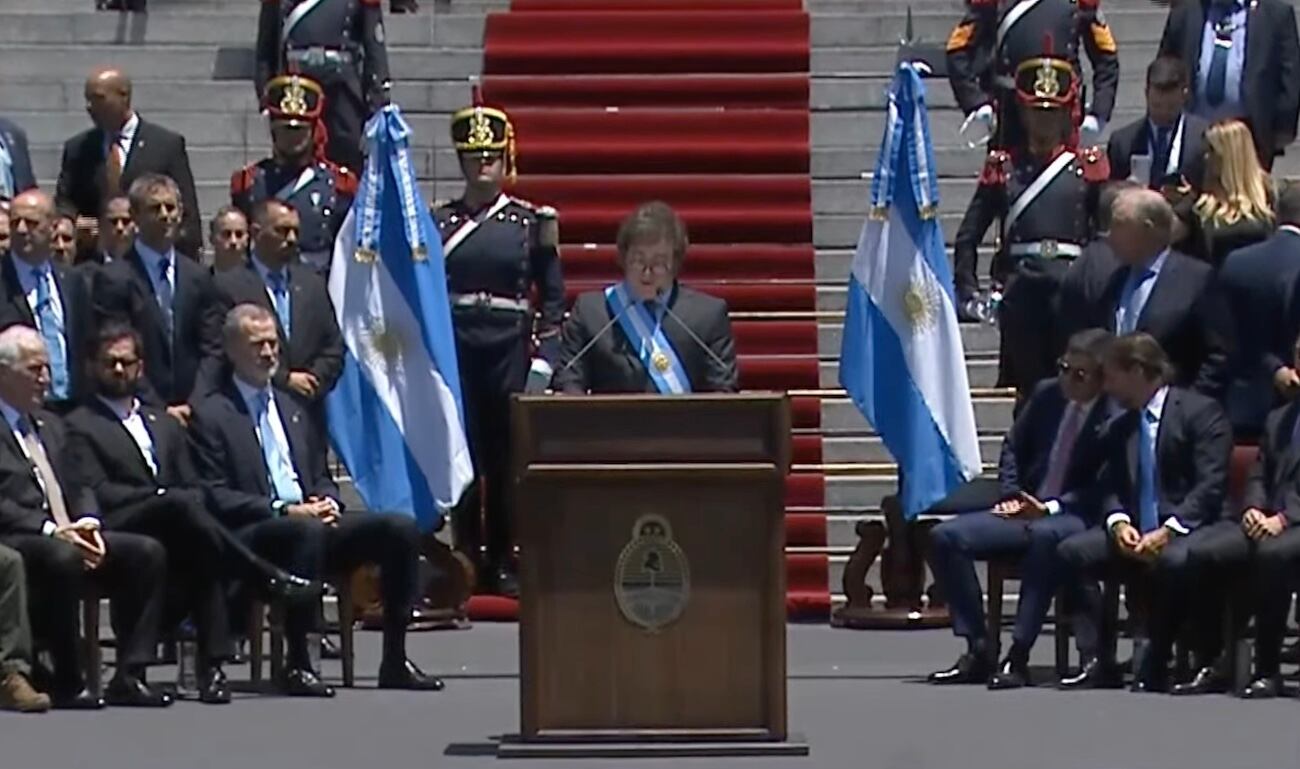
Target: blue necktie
[[1132, 310], [6, 171], [1148, 495], [52, 333], [278, 465], [165, 296], [1161, 159], [280, 294], [1216, 84]]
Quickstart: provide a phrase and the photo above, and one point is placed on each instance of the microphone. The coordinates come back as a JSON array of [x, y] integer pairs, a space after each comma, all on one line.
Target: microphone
[[695, 337], [595, 338]]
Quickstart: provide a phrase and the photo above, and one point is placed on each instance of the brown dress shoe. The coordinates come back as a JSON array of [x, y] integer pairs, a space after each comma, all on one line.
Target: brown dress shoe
[[16, 693]]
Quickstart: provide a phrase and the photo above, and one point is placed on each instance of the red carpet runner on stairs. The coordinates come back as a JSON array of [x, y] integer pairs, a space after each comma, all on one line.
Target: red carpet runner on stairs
[[703, 104]]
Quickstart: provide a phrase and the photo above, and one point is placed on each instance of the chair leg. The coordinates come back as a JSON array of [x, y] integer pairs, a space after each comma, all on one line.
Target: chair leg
[[994, 618], [347, 618], [1062, 635], [256, 621], [277, 641], [90, 639]]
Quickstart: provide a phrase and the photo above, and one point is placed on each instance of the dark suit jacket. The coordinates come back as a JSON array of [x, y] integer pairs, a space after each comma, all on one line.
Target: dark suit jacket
[[612, 365], [108, 462], [1083, 287], [1187, 314], [21, 498], [1274, 481], [155, 150], [15, 139], [1271, 75], [1135, 139], [229, 458], [316, 344], [1193, 449], [1259, 283], [78, 317], [1027, 448], [185, 370]]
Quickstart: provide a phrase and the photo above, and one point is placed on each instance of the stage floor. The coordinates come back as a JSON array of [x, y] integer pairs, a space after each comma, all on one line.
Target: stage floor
[[855, 696]]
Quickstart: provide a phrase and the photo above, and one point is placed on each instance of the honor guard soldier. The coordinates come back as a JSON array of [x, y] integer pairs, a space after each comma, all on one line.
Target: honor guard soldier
[[995, 37], [297, 172], [1044, 200], [500, 252], [339, 44]]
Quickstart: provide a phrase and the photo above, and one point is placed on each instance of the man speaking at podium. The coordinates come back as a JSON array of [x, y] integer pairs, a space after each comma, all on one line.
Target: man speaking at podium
[[669, 339]]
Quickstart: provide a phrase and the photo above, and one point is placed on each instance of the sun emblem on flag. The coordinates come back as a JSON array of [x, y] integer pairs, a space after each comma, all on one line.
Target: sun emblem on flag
[[383, 344], [921, 302]]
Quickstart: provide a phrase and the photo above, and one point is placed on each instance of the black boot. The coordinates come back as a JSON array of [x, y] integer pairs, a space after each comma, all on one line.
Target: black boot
[[970, 668], [1013, 673]]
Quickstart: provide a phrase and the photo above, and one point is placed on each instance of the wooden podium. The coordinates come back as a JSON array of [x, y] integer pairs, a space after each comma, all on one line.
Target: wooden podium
[[652, 575]]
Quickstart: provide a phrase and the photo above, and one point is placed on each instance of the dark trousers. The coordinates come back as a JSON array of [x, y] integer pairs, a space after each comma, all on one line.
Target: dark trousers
[[197, 547], [1261, 575], [310, 549], [956, 544], [489, 375], [1093, 555], [132, 574], [1031, 341], [15, 629]]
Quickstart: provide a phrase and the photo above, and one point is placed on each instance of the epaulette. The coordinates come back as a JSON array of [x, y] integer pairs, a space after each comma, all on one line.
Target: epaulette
[[345, 181], [525, 204], [995, 172], [242, 180], [1095, 164]]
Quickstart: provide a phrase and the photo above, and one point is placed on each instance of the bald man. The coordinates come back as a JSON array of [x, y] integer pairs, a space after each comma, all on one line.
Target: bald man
[[38, 291], [101, 163]]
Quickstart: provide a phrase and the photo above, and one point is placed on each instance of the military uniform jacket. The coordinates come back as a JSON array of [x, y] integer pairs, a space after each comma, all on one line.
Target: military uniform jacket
[[1052, 203], [355, 26], [502, 253], [322, 194], [995, 36]]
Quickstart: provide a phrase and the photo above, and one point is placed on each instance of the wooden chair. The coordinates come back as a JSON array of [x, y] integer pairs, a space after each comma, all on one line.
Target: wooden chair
[[999, 571], [347, 641], [92, 657]]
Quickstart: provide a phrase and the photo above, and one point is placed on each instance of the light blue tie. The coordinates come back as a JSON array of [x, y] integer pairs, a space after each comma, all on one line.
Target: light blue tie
[[52, 333], [1148, 496], [7, 183], [1216, 84], [280, 294], [165, 296], [1132, 309], [278, 466]]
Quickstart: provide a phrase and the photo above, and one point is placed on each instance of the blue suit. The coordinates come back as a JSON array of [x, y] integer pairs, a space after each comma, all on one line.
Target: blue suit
[[1026, 451], [15, 141]]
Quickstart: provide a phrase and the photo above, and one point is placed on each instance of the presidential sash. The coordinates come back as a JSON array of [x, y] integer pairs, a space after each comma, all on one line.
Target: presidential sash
[[644, 327]]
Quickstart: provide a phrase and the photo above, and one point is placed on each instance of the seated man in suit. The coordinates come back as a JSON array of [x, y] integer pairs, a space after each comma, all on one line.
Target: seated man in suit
[[16, 690], [670, 339], [137, 462], [1048, 458], [265, 471], [49, 517], [1167, 141], [1165, 479], [165, 298], [1163, 293]]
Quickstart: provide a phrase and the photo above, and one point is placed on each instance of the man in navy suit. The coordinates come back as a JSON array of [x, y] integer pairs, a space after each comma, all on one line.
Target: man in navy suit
[[1169, 140], [1048, 458], [1165, 479], [15, 161], [1259, 282]]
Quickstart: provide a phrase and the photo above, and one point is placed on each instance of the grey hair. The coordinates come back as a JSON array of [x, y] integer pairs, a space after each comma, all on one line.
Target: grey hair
[[17, 340], [233, 329], [1146, 207], [146, 185]]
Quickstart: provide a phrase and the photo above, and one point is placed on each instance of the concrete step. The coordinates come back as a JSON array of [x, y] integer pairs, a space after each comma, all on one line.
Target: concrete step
[[978, 340], [881, 59], [866, 26], [832, 265], [981, 370], [872, 449], [840, 416]]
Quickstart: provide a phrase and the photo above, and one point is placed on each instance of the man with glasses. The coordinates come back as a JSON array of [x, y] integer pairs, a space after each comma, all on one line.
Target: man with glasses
[[497, 249], [1049, 460]]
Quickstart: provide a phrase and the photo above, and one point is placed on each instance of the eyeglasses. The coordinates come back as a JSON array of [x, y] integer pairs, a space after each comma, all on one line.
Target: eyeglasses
[[1078, 373], [655, 268], [126, 363]]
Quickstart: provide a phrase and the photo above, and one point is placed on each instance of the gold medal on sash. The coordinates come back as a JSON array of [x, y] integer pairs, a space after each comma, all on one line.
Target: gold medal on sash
[[660, 360]]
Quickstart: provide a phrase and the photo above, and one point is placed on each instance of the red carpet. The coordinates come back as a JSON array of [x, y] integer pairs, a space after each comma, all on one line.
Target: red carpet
[[702, 104]]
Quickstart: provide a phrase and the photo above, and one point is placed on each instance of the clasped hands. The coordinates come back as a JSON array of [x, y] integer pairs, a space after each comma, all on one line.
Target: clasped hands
[[1022, 505], [322, 509], [85, 536], [1259, 525], [1135, 544]]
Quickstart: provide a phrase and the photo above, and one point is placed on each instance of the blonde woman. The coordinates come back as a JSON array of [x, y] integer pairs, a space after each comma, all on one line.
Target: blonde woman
[[1235, 208]]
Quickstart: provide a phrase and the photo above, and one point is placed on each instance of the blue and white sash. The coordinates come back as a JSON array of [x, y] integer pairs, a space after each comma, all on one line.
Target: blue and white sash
[[645, 330]]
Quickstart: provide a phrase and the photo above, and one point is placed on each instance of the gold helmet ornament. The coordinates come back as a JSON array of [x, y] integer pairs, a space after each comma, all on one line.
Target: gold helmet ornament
[[479, 129]]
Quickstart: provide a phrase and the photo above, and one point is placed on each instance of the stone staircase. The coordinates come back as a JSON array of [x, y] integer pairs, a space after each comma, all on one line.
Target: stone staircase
[[192, 63]]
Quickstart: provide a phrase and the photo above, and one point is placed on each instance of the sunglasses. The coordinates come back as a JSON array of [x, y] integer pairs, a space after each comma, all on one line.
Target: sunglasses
[[1078, 373]]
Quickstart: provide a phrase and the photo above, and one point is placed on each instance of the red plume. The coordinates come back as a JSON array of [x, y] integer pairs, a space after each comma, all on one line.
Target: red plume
[[476, 93], [1047, 44]]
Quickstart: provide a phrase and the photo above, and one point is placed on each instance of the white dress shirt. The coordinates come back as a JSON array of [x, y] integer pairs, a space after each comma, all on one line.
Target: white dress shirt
[[151, 259], [128, 413], [1156, 408], [12, 416], [125, 138]]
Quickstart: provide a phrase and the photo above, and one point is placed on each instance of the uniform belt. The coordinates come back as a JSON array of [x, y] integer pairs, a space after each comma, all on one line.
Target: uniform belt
[[489, 301], [318, 55], [1047, 249]]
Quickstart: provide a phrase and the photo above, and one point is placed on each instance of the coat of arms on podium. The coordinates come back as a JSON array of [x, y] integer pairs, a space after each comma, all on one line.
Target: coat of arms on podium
[[652, 581]]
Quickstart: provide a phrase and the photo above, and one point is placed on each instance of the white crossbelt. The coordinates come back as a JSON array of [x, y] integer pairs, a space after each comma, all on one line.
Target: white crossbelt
[[484, 299], [1048, 249]]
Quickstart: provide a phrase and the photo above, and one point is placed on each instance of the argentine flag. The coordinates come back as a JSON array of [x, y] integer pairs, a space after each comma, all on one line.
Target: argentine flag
[[396, 417], [902, 361]]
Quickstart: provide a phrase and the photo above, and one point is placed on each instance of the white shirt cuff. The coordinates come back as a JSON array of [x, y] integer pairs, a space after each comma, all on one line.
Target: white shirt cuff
[[88, 520], [1176, 526], [1117, 517], [1053, 506], [48, 528], [540, 366]]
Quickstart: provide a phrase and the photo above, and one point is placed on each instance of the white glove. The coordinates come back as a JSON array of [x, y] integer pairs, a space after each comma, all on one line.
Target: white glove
[[539, 377], [988, 123], [1090, 129]]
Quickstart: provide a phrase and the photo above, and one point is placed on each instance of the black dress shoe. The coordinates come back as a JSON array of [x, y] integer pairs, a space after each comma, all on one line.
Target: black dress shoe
[[1265, 688], [1150, 683], [81, 699], [505, 582], [405, 675], [1208, 680], [968, 669], [1094, 674], [213, 687], [1011, 674], [301, 682], [128, 691], [290, 588]]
